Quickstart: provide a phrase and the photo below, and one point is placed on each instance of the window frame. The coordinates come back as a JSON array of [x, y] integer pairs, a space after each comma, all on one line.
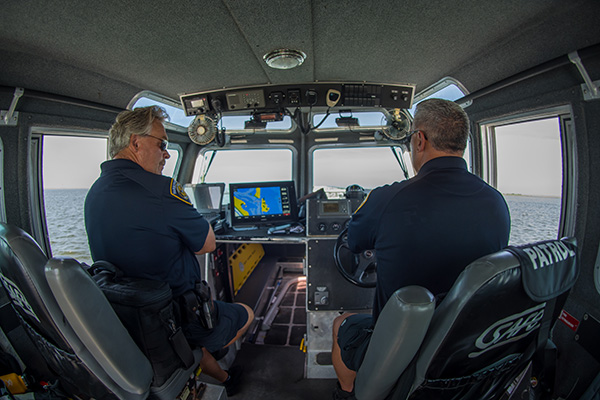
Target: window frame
[[37, 204], [439, 86], [564, 114], [2, 197], [161, 101], [177, 147]]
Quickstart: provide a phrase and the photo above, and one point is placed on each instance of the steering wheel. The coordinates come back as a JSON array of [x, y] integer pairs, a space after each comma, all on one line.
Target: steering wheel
[[358, 269]]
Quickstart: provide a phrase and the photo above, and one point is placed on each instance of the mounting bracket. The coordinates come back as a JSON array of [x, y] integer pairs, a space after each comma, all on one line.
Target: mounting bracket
[[10, 117], [589, 88]]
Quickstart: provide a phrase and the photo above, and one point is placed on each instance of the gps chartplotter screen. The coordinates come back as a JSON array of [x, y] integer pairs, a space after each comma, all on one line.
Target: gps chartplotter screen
[[263, 203]]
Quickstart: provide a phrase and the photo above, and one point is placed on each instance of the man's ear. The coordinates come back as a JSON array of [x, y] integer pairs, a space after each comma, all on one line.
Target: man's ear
[[134, 142], [420, 141]]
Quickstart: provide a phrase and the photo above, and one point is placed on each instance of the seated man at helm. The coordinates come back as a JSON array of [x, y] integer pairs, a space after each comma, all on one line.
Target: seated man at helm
[[425, 230], [144, 223]]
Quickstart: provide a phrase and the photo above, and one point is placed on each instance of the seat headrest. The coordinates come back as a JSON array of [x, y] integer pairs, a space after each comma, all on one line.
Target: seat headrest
[[549, 268]]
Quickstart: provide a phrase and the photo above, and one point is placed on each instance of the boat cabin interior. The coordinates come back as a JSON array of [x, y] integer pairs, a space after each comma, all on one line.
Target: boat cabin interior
[[283, 115]]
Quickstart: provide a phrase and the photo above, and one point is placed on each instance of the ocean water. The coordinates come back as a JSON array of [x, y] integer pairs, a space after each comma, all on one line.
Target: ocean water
[[66, 227], [533, 219]]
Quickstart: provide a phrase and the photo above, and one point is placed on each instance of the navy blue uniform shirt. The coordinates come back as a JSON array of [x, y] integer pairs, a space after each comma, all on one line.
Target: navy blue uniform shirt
[[145, 225], [427, 229]]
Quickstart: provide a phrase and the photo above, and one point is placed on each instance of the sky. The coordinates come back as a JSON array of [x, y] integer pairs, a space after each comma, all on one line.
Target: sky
[[533, 161], [82, 166], [72, 162]]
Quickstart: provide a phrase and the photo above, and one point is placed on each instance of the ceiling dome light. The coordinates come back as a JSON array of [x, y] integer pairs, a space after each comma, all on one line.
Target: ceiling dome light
[[284, 58]]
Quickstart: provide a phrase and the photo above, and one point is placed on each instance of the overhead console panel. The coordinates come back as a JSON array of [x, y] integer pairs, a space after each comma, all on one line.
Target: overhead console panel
[[274, 97]]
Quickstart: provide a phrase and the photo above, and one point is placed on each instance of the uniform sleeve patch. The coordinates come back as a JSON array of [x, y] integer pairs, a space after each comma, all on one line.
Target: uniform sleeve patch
[[178, 192]]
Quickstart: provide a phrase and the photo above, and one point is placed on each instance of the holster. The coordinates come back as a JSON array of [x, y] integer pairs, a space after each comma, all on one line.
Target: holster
[[197, 304]]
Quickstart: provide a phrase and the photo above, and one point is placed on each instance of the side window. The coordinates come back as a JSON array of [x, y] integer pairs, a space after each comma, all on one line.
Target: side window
[[66, 182], [524, 162]]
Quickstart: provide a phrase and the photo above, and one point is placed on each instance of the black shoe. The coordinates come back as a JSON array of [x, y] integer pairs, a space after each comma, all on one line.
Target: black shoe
[[232, 383], [339, 394], [220, 353]]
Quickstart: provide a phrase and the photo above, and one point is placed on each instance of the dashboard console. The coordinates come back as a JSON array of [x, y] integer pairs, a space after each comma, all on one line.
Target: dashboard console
[[319, 94]]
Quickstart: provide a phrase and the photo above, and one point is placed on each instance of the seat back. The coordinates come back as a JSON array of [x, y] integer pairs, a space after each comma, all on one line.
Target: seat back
[[486, 330], [94, 357], [146, 309], [497, 314], [22, 264], [400, 329]]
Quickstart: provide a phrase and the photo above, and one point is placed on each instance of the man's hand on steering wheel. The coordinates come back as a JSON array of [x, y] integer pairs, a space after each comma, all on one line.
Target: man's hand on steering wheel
[[358, 269]]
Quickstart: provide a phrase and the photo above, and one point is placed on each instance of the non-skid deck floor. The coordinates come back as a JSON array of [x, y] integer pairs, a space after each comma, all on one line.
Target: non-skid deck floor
[[274, 364], [289, 326]]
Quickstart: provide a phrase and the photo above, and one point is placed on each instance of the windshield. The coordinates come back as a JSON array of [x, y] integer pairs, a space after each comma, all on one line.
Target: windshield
[[239, 166], [335, 168]]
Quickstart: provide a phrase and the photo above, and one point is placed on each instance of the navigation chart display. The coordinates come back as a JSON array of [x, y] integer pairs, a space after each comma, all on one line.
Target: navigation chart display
[[259, 201], [262, 203]]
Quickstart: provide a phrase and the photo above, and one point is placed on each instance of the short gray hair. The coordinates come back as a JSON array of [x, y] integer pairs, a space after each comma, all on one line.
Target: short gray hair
[[445, 123], [133, 122]]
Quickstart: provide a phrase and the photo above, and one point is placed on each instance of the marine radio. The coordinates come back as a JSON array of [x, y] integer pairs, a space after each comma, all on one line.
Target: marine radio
[[329, 217]]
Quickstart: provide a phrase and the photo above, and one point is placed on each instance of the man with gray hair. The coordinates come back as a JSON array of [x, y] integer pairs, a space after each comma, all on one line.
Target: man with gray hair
[[144, 223], [425, 230]]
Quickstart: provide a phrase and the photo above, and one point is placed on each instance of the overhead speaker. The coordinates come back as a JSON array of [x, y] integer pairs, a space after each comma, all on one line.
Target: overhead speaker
[[398, 125], [203, 129]]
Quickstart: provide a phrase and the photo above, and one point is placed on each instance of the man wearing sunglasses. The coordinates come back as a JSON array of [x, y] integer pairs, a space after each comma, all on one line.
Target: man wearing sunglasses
[[144, 223], [425, 230]]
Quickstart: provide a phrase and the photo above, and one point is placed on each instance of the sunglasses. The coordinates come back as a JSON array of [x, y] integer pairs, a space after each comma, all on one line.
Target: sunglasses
[[163, 143], [406, 139]]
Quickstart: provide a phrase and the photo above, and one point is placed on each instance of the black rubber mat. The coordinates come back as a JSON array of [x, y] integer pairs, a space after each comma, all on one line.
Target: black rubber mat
[[299, 316], [296, 335], [284, 316], [278, 334], [277, 373]]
